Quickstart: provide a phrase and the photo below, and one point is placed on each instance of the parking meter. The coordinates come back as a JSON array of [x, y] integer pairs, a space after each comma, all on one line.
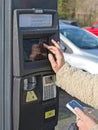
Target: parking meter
[[28, 94], [35, 96]]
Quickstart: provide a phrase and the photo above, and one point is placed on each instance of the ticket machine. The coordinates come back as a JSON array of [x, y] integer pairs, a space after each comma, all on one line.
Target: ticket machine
[[35, 95], [28, 93]]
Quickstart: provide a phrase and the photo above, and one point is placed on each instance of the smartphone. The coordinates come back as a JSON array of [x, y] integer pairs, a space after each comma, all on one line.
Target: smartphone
[[72, 104]]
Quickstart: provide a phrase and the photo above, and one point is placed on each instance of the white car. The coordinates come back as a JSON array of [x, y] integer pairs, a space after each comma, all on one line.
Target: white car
[[80, 48]]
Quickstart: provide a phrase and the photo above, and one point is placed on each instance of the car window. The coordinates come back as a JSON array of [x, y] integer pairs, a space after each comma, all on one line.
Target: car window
[[80, 38], [74, 24], [65, 47], [95, 26], [70, 22]]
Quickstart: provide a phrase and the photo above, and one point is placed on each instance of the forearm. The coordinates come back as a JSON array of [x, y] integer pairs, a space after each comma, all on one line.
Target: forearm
[[94, 127], [80, 84]]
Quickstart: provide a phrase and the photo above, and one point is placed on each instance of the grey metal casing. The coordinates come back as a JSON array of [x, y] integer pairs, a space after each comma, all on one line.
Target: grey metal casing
[[6, 38], [5, 64]]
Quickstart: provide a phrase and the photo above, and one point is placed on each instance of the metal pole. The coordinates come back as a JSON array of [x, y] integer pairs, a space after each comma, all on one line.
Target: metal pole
[[5, 64]]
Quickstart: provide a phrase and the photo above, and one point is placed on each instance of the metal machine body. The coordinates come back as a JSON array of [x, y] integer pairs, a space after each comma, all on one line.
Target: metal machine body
[[28, 94]]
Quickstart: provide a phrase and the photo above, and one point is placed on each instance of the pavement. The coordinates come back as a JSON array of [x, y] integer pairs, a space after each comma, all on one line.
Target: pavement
[[66, 117], [65, 123]]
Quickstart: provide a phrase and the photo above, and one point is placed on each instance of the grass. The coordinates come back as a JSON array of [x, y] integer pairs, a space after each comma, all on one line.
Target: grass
[[64, 116]]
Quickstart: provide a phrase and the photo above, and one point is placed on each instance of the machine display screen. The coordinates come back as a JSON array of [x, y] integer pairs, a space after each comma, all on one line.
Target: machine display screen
[[49, 79], [35, 20], [34, 49]]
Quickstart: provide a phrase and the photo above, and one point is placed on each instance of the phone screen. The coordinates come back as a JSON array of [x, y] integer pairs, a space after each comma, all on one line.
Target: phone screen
[[74, 104]]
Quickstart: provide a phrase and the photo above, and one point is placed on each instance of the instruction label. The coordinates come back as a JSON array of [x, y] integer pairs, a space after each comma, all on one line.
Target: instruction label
[[50, 114], [31, 96]]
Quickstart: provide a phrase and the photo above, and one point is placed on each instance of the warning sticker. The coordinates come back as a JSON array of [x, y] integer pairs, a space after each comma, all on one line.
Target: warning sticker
[[31, 96], [49, 114]]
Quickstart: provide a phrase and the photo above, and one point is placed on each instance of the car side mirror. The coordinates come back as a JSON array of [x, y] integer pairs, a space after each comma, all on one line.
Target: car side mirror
[[63, 48], [92, 27]]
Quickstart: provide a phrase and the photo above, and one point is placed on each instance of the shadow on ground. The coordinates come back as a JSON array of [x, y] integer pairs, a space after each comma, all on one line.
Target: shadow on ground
[[63, 99]]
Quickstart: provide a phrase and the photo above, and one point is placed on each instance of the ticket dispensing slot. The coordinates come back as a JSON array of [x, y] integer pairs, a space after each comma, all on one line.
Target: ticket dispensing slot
[[29, 83]]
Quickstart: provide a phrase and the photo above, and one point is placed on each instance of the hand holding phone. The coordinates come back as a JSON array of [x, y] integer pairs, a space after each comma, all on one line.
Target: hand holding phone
[[73, 104]]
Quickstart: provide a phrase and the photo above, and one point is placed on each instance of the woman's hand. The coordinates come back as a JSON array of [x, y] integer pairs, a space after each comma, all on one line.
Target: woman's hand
[[84, 121], [55, 49]]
